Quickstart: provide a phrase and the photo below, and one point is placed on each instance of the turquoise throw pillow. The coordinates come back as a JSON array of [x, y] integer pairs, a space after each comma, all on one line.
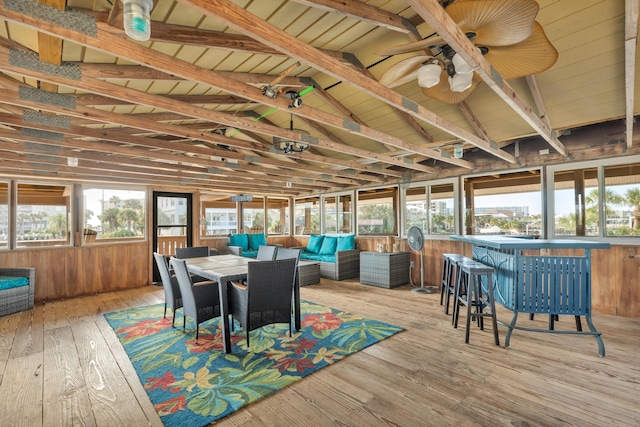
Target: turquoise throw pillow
[[315, 243], [346, 243], [328, 245], [255, 240], [239, 240]]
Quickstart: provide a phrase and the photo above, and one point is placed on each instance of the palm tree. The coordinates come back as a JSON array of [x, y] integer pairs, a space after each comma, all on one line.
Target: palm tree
[[57, 224], [632, 198]]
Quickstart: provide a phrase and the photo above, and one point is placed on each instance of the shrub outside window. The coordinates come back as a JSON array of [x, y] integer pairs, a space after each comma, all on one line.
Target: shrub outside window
[[114, 213], [43, 215]]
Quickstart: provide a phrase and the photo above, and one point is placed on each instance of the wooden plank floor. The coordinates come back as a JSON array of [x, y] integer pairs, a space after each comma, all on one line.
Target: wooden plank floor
[[61, 364]]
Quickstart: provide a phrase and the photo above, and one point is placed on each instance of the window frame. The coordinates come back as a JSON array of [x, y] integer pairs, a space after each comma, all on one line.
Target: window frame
[[600, 165], [396, 208], [13, 207], [427, 187], [114, 240]]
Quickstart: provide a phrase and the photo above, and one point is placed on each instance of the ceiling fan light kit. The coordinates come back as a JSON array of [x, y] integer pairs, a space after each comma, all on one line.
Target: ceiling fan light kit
[[288, 146]]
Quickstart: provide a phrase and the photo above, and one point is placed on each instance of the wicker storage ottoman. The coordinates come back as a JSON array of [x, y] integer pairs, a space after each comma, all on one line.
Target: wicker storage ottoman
[[384, 269], [309, 272], [20, 298]]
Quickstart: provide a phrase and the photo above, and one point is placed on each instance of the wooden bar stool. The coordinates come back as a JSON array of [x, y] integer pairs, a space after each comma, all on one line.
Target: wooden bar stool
[[459, 286], [476, 297], [447, 281]]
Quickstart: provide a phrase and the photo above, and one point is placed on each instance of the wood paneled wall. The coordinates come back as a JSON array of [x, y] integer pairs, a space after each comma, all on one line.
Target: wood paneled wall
[[73, 271]]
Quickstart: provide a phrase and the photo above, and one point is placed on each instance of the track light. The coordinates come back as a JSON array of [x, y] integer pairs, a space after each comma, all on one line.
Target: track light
[[296, 100], [270, 91]]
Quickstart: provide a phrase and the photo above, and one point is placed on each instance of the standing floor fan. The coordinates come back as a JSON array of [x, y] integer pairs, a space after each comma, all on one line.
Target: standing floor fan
[[415, 238]]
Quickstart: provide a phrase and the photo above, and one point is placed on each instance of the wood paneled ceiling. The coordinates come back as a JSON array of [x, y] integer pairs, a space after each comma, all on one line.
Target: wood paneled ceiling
[[186, 109]]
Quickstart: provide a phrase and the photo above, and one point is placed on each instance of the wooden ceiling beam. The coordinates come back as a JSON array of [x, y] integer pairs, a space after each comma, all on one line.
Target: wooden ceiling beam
[[140, 72], [434, 15], [189, 36], [134, 52], [123, 136], [115, 164], [257, 28], [364, 12], [90, 99], [168, 157], [534, 88], [50, 47], [630, 47]]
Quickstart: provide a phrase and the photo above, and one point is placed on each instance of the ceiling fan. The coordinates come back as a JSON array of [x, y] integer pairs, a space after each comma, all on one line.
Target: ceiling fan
[[505, 32]]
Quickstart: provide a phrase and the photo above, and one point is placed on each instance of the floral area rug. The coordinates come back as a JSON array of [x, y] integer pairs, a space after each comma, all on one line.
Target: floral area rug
[[194, 385]]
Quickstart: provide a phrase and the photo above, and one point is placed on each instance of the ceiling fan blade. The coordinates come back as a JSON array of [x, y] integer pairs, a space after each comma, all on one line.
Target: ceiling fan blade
[[442, 92], [403, 71], [495, 22], [413, 47], [532, 56]]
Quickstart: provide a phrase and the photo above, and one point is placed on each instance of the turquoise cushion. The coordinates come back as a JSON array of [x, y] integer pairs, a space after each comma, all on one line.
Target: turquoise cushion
[[250, 253], [9, 282], [239, 240], [315, 243], [328, 246], [255, 240], [346, 243]]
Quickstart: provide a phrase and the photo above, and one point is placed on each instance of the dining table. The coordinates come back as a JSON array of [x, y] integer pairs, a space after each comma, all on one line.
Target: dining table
[[224, 269]]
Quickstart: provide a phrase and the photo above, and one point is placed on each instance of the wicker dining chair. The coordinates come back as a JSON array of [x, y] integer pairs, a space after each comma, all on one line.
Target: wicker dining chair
[[200, 300], [266, 253], [172, 295], [265, 297], [193, 252]]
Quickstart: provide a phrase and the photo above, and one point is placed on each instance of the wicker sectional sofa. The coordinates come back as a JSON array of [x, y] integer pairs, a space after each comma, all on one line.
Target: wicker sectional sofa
[[15, 294], [337, 254]]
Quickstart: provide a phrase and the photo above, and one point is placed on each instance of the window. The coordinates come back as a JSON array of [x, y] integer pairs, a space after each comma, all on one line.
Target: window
[[622, 200], [43, 215], [441, 213], [307, 216], [253, 215], [4, 215], [377, 211], [113, 213], [277, 216], [415, 208], [508, 203], [220, 215], [438, 219], [576, 202], [345, 209], [329, 215]]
